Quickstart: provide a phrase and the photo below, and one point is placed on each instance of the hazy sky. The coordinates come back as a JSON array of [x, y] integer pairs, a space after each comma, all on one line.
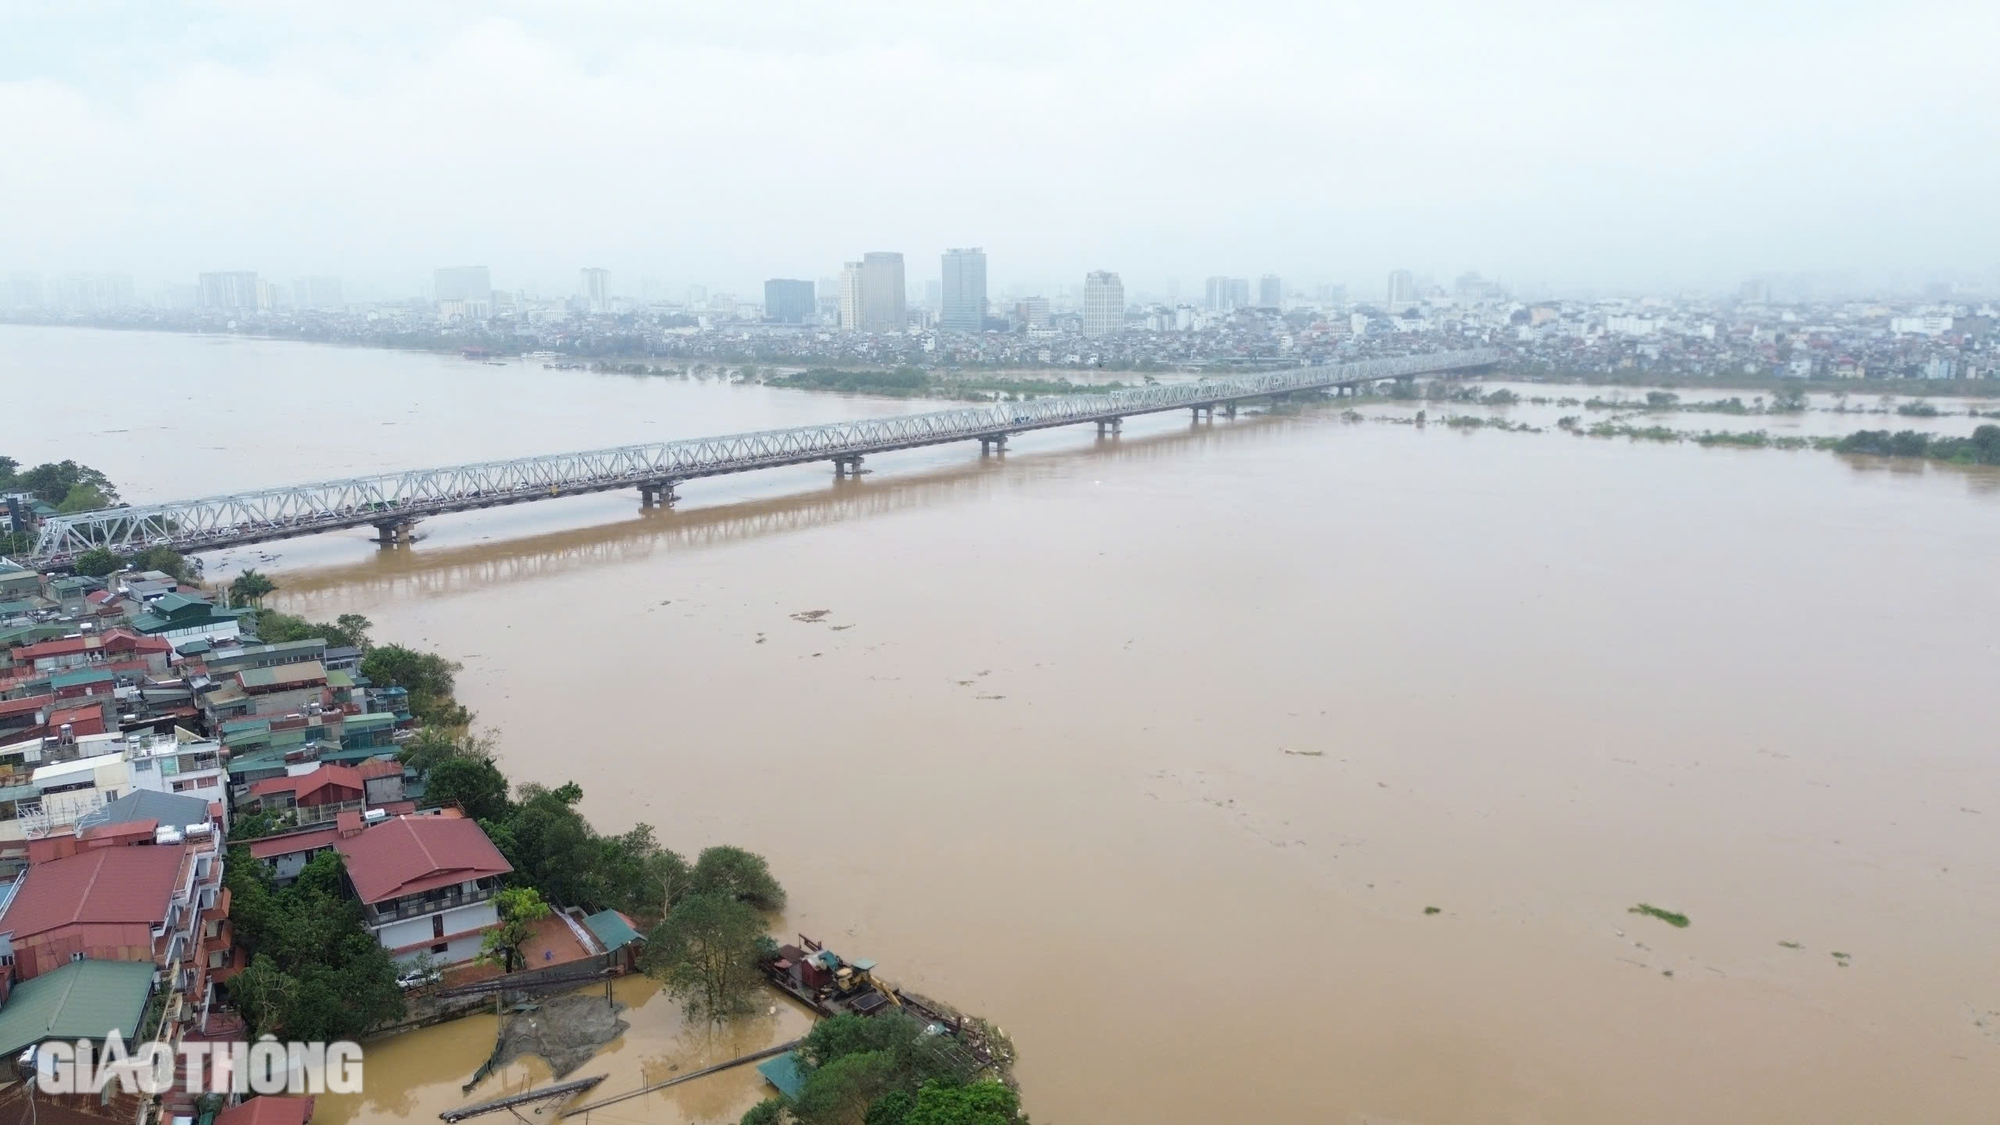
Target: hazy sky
[[1563, 145]]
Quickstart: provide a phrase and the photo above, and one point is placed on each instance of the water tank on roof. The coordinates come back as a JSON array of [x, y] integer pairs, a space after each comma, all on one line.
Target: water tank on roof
[[375, 816], [199, 831], [166, 834]]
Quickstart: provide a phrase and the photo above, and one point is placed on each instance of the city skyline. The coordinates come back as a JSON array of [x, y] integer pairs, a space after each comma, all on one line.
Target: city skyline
[[1714, 149]]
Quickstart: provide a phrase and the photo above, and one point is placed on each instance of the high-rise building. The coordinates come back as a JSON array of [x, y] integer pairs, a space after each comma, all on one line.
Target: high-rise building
[[788, 301], [884, 304], [1270, 291], [963, 307], [850, 296], [1103, 303], [316, 292], [230, 289], [1755, 292], [1402, 290], [92, 292], [1226, 293], [596, 284]]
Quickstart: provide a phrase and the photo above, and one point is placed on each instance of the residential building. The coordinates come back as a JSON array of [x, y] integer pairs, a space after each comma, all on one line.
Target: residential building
[[1031, 313], [962, 302], [1270, 291], [596, 288], [788, 301], [850, 296], [85, 1000], [325, 791], [229, 289], [426, 883], [1103, 303], [884, 299], [270, 1109], [122, 902], [1227, 293], [470, 284], [181, 618], [176, 764]]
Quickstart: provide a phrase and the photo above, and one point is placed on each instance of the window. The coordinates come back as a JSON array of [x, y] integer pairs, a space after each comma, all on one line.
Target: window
[[441, 950], [437, 925], [75, 957]]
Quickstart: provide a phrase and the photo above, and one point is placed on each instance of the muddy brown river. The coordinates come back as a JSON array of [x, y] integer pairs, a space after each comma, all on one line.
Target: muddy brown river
[[1160, 751]]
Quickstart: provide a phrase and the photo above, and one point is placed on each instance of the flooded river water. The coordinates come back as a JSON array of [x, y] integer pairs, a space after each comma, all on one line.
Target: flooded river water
[[1034, 758]]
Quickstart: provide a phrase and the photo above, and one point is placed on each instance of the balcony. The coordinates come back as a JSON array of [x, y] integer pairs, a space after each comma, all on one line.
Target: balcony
[[418, 906]]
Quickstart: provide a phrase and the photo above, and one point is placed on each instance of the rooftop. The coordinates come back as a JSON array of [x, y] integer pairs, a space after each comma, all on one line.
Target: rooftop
[[409, 855], [166, 808], [105, 885], [82, 1000]]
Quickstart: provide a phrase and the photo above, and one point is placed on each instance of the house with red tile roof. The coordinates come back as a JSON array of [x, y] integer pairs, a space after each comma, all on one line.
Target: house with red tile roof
[[426, 884], [133, 903], [268, 1110], [327, 790]]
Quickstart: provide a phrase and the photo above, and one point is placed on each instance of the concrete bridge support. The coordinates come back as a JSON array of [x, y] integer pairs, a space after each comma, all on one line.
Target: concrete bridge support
[[847, 467], [1111, 426], [995, 444], [658, 494], [396, 532], [1229, 409], [1197, 411]]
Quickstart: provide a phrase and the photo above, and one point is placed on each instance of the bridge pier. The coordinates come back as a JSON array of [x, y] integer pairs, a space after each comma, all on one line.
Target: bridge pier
[[657, 494], [847, 467], [1229, 409], [994, 444], [1111, 426], [1197, 411], [396, 532]]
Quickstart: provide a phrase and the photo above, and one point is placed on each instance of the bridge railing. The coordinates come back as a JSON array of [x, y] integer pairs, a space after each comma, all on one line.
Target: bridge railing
[[217, 521]]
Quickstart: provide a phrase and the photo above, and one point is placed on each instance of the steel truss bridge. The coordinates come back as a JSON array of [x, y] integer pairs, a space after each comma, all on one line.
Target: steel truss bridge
[[393, 502]]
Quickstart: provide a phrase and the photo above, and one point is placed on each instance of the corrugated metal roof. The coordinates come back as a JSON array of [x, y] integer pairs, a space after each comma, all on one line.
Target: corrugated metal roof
[[104, 885], [611, 928], [278, 675], [146, 804], [82, 1000]]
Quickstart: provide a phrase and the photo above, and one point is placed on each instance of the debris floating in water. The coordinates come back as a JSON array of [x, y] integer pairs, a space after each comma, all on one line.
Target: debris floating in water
[[1305, 753]]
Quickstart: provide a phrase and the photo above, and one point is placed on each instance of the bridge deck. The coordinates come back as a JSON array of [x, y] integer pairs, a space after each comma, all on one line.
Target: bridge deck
[[391, 499]]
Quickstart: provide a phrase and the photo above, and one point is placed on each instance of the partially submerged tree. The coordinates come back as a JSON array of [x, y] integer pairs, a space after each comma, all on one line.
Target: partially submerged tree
[[706, 953]]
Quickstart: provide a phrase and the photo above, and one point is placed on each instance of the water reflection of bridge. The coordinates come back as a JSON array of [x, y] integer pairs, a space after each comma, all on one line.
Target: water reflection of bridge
[[420, 573]]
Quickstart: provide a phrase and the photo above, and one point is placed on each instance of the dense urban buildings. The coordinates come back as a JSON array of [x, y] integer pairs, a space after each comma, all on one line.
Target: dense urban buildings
[[464, 291], [788, 301], [1103, 303], [962, 303], [884, 301]]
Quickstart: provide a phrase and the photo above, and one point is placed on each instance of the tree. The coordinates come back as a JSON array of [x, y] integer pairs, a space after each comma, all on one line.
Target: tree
[[82, 498], [51, 481], [316, 972], [981, 1103], [473, 784], [97, 562], [706, 953], [166, 560], [840, 1092], [250, 587], [519, 909], [428, 677], [741, 875]]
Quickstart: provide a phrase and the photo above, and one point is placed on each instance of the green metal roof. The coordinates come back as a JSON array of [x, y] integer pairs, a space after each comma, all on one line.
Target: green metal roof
[[785, 1073], [17, 607], [81, 1000], [87, 676], [611, 928], [369, 721]]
